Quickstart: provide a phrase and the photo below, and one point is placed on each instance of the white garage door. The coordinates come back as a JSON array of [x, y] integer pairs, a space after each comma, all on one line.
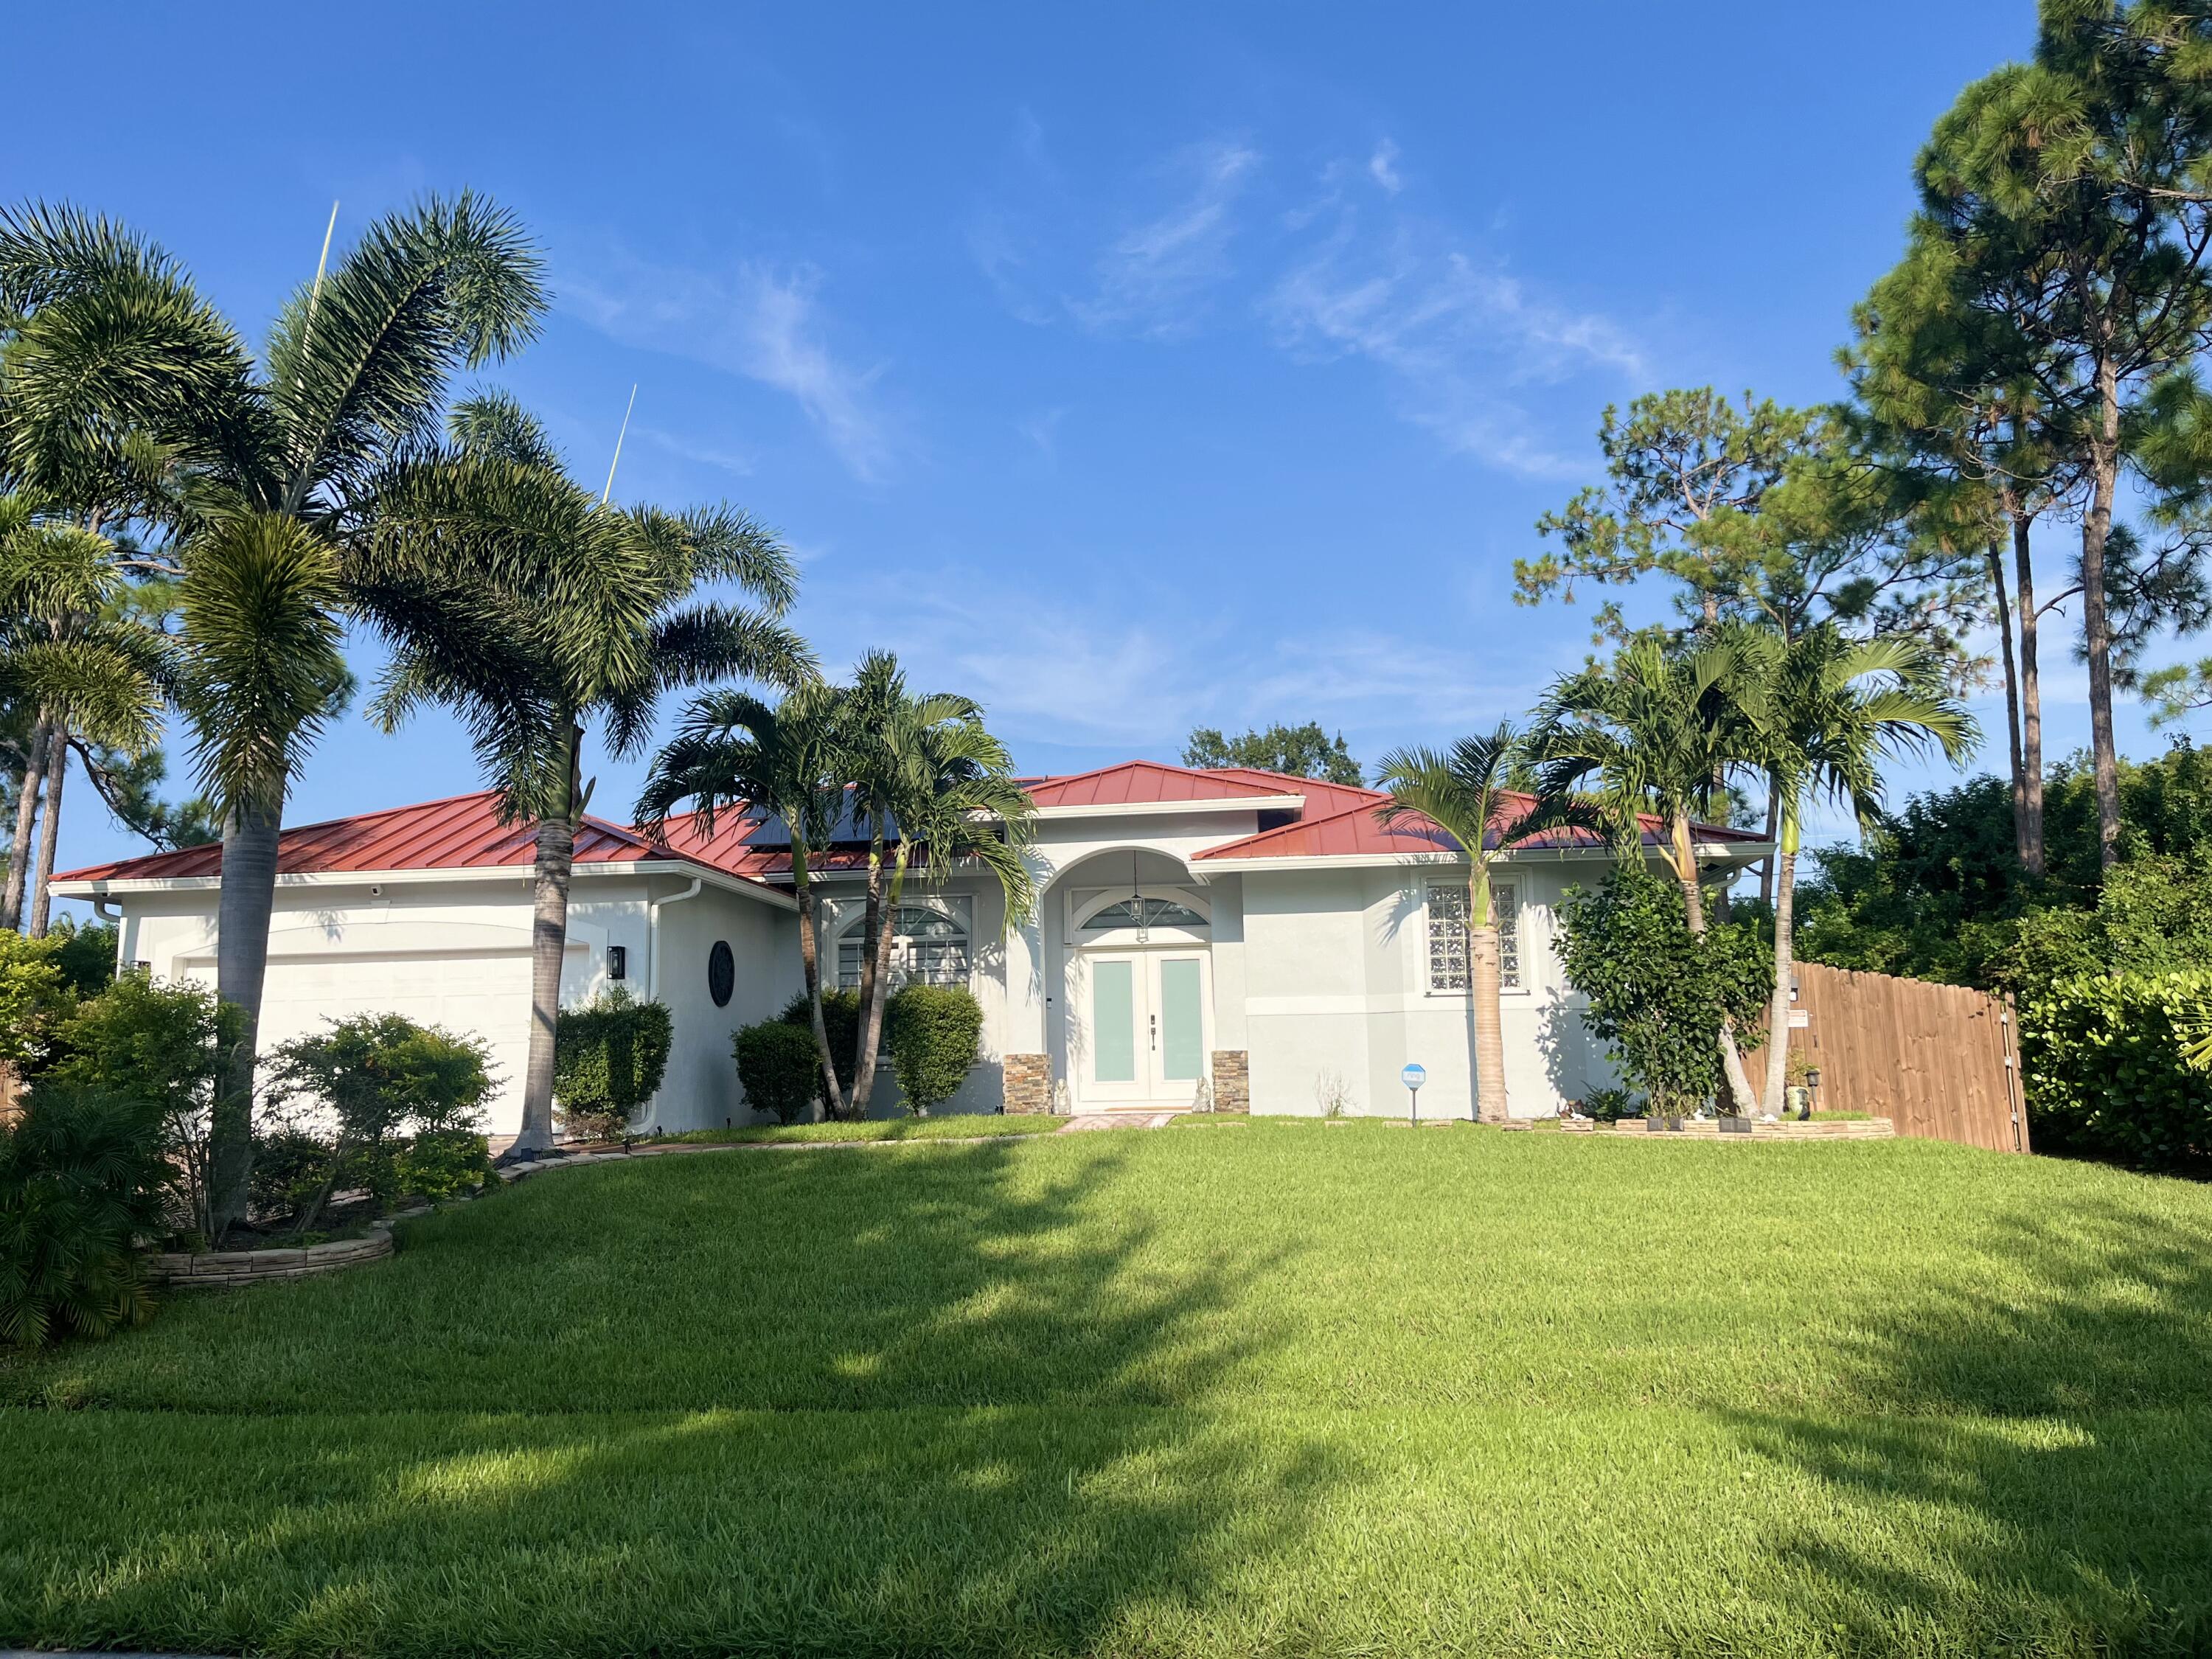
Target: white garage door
[[484, 993]]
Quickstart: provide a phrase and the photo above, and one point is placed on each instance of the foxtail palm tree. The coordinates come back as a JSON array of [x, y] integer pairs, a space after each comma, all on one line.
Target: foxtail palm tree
[[1465, 790], [930, 769], [732, 753], [1825, 712], [269, 463], [513, 597], [1651, 732]]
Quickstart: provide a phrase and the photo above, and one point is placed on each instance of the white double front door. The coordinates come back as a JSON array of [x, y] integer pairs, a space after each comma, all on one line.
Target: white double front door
[[1137, 1034]]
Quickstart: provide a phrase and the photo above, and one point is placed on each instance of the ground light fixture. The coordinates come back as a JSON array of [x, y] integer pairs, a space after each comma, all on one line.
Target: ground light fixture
[[1413, 1077]]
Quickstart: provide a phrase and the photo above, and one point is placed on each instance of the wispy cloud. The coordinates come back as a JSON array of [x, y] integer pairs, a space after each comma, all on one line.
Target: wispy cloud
[[1382, 167], [1041, 428], [1459, 336], [1153, 278], [764, 322], [676, 444]]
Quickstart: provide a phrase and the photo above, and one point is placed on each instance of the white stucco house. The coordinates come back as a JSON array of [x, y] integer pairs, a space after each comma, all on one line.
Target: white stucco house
[[1251, 940]]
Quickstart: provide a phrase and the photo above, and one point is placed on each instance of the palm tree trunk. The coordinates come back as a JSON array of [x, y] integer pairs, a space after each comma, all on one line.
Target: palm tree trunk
[[810, 968], [49, 831], [550, 874], [1773, 824], [1693, 907], [247, 899], [26, 817], [1778, 1011], [874, 939], [2031, 697], [876, 975], [1483, 976]]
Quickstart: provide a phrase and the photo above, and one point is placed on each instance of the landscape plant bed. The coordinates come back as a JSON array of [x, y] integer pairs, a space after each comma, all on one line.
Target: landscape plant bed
[[1845, 1128], [1167, 1395], [970, 1126]]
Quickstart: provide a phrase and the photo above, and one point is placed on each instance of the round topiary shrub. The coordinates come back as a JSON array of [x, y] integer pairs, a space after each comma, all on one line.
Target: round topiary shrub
[[933, 1030], [841, 1021], [777, 1065]]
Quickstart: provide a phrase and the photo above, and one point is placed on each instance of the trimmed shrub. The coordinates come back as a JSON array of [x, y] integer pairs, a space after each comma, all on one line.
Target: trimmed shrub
[[1610, 1105], [778, 1067], [2102, 1056], [608, 1056], [81, 1179], [840, 1019], [444, 1164], [933, 1030]]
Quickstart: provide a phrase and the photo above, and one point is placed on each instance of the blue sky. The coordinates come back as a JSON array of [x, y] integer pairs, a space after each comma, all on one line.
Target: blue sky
[[1130, 368]]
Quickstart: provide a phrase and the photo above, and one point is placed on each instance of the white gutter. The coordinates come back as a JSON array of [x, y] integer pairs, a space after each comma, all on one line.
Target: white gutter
[[1712, 852], [110, 886], [652, 909]]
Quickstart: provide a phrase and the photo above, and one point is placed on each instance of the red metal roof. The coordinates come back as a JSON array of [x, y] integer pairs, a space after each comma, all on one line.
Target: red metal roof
[[1142, 783], [1355, 833], [461, 832]]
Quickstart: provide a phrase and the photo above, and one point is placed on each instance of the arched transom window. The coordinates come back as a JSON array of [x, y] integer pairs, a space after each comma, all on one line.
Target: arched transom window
[[1155, 913], [928, 945]]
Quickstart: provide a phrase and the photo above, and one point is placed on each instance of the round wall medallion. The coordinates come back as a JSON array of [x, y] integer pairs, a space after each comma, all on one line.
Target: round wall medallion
[[722, 973]]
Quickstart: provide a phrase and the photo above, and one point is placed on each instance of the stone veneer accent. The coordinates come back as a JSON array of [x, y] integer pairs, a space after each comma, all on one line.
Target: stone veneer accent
[[1028, 1082], [1233, 1080]]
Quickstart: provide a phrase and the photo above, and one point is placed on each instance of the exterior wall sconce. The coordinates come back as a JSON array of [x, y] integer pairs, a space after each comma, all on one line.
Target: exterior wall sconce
[[617, 962]]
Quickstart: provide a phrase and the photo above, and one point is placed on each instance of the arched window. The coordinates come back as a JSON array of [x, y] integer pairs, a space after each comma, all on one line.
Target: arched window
[[928, 945], [1155, 913]]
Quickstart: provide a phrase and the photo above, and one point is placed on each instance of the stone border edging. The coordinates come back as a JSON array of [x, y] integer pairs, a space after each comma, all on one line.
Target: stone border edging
[[1871, 1128], [179, 1270]]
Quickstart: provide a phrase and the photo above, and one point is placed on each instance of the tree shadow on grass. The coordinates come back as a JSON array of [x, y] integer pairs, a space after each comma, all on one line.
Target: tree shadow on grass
[[950, 1400], [2036, 1438]]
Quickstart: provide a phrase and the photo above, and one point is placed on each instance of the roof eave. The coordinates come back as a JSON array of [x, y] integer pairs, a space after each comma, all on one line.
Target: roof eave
[[119, 886]]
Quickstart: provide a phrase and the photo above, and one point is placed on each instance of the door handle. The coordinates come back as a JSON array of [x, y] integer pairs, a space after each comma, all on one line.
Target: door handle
[[1155, 1018]]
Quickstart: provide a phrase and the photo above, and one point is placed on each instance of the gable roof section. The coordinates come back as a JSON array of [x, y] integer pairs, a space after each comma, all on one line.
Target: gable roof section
[[1354, 833], [1151, 783], [460, 833]]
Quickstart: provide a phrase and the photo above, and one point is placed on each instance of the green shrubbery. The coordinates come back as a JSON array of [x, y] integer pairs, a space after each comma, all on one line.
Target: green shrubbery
[[397, 1103], [1658, 993], [779, 1068], [82, 1183], [608, 1056], [932, 1031], [2106, 1077]]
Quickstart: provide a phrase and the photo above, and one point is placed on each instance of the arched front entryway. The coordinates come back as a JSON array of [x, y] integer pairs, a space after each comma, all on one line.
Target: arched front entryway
[[1131, 934]]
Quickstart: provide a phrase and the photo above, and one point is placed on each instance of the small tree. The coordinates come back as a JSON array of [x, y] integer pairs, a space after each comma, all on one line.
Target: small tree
[[33, 995], [934, 1029], [1660, 995], [381, 1077], [775, 1064], [1301, 751], [609, 1057]]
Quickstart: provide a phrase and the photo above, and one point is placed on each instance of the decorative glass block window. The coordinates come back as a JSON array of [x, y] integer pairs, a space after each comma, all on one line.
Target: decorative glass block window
[[1448, 956], [926, 945], [1157, 912]]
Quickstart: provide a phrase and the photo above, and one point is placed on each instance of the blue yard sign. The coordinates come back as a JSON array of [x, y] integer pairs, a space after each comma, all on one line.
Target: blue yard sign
[[1413, 1077]]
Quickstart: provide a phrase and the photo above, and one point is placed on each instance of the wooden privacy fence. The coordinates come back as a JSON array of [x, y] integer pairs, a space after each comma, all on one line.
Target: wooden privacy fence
[[1940, 1061]]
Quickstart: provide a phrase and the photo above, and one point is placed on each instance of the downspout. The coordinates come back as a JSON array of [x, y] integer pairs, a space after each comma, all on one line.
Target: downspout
[[652, 908]]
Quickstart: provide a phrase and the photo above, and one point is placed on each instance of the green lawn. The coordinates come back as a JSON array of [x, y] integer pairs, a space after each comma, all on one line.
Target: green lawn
[[1290, 1390]]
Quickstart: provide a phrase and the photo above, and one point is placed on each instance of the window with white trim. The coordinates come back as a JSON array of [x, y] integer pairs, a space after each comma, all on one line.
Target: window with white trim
[[1448, 955], [928, 945]]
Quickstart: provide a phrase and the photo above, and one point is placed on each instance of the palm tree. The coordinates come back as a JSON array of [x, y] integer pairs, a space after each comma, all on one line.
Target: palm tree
[[734, 752], [1824, 711], [1653, 730], [1467, 792], [513, 598], [271, 469], [70, 647], [928, 775]]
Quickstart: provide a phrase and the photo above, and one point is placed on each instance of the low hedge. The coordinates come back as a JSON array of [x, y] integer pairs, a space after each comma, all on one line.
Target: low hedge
[[2102, 1057]]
